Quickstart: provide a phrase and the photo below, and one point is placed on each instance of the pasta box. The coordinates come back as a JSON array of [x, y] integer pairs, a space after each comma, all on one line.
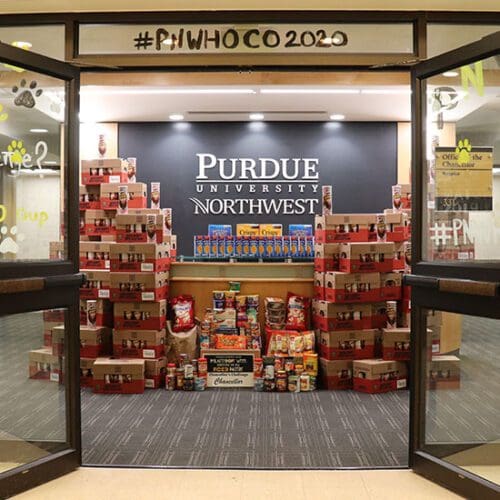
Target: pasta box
[[119, 376], [326, 257], [140, 257], [350, 288], [104, 170], [96, 285], [90, 198], [391, 286], [155, 372], [139, 287], [366, 257], [137, 195], [375, 376], [94, 255], [147, 344], [99, 222], [140, 315], [335, 374], [330, 316], [351, 344]]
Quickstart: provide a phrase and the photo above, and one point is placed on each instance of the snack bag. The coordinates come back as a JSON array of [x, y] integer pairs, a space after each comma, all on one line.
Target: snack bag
[[295, 343], [309, 341], [183, 313], [297, 317]]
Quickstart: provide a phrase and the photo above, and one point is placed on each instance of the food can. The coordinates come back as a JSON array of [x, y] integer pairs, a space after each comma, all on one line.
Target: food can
[[299, 369], [194, 362], [188, 384], [269, 372], [278, 364], [293, 383], [304, 383], [202, 367], [311, 364], [281, 384], [170, 382], [258, 384], [188, 371], [269, 385], [200, 384], [289, 365], [312, 383], [179, 378], [258, 365]]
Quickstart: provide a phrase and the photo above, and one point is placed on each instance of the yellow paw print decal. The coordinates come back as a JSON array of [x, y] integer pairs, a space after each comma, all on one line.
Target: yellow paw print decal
[[3, 116], [463, 151], [18, 151]]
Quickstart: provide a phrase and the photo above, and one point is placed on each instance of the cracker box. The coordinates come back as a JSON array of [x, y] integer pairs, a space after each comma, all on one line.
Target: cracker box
[[172, 241], [99, 222], [229, 246], [366, 257], [377, 375], [300, 230], [351, 344], [214, 247], [43, 365], [254, 246], [141, 257], [96, 285], [444, 372], [401, 196], [155, 370], [396, 344], [329, 316], [119, 376], [278, 246], [96, 312], [137, 195], [131, 228], [319, 286], [104, 170], [220, 230], [94, 342], [335, 375], [271, 230], [86, 372], [340, 228], [391, 286], [198, 245], [94, 255], [294, 247], [140, 315], [167, 221], [147, 344], [90, 198], [247, 230], [351, 288], [326, 257], [139, 287]]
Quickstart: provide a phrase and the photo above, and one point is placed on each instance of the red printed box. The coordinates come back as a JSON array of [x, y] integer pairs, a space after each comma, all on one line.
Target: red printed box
[[397, 227], [326, 257], [375, 376], [90, 198], [137, 195], [105, 170], [341, 228], [47, 331], [378, 315], [119, 376], [96, 312], [54, 315], [444, 372], [99, 222], [94, 255], [401, 196], [155, 371], [147, 344], [139, 228], [351, 344], [344, 287], [142, 257], [366, 257], [96, 285], [319, 286], [94, 342], [335, 375], [391, 286], [43, 365], [396, 344], [329, 316], [140, 287], [140, 315], [86, 372], [399, 257]]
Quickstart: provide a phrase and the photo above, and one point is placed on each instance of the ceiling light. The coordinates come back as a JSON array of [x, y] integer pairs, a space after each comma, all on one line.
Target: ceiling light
[[256, 116], [168, 41], [337, 117], [176, 117], [22, 45], [38, 130], [309, 91], [450, 74], [386, 91], [159, 91]]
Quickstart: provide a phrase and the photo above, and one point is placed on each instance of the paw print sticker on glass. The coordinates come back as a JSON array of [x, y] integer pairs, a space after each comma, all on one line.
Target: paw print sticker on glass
[[17, 150], [3, 115], [26, 96], [8, 244], [463, 151]]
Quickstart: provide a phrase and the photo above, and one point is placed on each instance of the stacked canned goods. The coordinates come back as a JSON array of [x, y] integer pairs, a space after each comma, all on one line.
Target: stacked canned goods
[[187, 375]]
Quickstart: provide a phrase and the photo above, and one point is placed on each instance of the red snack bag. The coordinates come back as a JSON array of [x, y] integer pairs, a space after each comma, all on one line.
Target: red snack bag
[[183, 312], [297, 314]]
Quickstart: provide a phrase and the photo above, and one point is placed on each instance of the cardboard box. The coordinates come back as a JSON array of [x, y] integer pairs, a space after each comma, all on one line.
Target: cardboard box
[[396, 344], [94, 255], [86, 372], [99, 222], [319, 286], [326, 257], [119, 376], [139, 287], [399, 257], [444, 372], [104, 170], [366, 257], [56, 250], [378, 315], [401, 196], [335, 375], [137, 195], [247, 230], [350, 344], [352, 288], [96, 285], [329, 316], [97, 312], [54, 315], [300, 230], [270, 230], [140, 315], [47, 331], [139, 228], [43, 365], [376, 375], [338, 228], [90, 198], [397, 228], [94, 342], [155, 371], [141, 257], [391, 286], [147, 344]]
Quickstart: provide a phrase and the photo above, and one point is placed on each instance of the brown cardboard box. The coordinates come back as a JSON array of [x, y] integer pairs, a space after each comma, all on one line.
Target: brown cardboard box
[[56, 250], [43, 365], [399, 256], [104, 170], [155, 371], [86, 372], [391, 286], [338, 228], [335, 374], [140, 315], [90, 198], [376, 375], [345, 287], [95, 313], [99, 222], [396, 227], [378, 315], [94, 255], [47, 331], [326, 257], [350, 344], [137, 195], [139, 228], [119, 376], [319, 286], [147, 344], [366, 257], [444, 372], [401, 196], [139, 287], [141, 257], [396, 344], [96, 285], [328, 316], [94, 342]]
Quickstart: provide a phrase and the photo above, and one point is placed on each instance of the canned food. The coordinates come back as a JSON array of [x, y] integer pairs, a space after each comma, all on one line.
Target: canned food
[[304, 383], [293, 383], [258, 384], [258, 366], [179, 376], [202, 367], [269, 385], [170, 382], [312, 383], [200, 384], [188, 384], [281, 384], [188, 371]]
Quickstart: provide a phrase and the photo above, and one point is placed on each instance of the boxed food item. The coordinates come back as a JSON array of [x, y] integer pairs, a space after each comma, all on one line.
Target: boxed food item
[[57, 340], [137, 195], [401, 196], [247, 230], [271, 229], [94, 255], [319, 286], [330, 316], [119, 376], [345, 287], [140, 315], [90, 198], [399, 256], [326, 257], [94, 342], [141, 257], [47, 331], [379, 313], [220, 230], [225, 319], [340, 228], [131, 228], [335, 374], [396, 344], [366, 257], [43, 365], [96, 312], [51, 315], [444, 372], [96, 285], [56, 250], [99, 222], [377, 375], [104, 170], [300, 230], [391, 286], [147, 344], [350, 344], [139, 287], [396, 227], [230, 342], [86, 372], [154, 372]]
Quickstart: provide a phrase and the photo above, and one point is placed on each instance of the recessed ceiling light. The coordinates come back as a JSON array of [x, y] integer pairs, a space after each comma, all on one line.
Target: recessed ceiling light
[[168, 41], [337, 117], [450, 74], [256, 116], [22, 45], [176, 117], [38, 130], [309, 91]]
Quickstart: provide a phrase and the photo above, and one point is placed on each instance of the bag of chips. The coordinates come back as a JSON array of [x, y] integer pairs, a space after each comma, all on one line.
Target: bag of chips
[[183, 313], [297, 317]]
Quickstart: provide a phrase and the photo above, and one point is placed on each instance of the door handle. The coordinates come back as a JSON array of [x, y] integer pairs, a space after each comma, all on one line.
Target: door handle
[[450, 285], [38, 284]]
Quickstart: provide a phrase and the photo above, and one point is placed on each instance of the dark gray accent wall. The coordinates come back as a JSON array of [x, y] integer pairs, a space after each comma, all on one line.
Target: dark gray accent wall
[[358, 158]]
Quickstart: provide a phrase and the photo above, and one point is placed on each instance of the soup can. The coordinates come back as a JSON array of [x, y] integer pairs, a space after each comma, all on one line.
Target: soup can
[[200, 384]]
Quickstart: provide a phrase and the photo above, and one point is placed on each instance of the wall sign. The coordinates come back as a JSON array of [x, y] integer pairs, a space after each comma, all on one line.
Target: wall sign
[[229, 369]]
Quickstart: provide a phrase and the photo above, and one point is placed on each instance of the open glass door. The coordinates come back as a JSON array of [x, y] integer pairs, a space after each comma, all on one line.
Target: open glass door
[[455, 405], [39, 280]]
